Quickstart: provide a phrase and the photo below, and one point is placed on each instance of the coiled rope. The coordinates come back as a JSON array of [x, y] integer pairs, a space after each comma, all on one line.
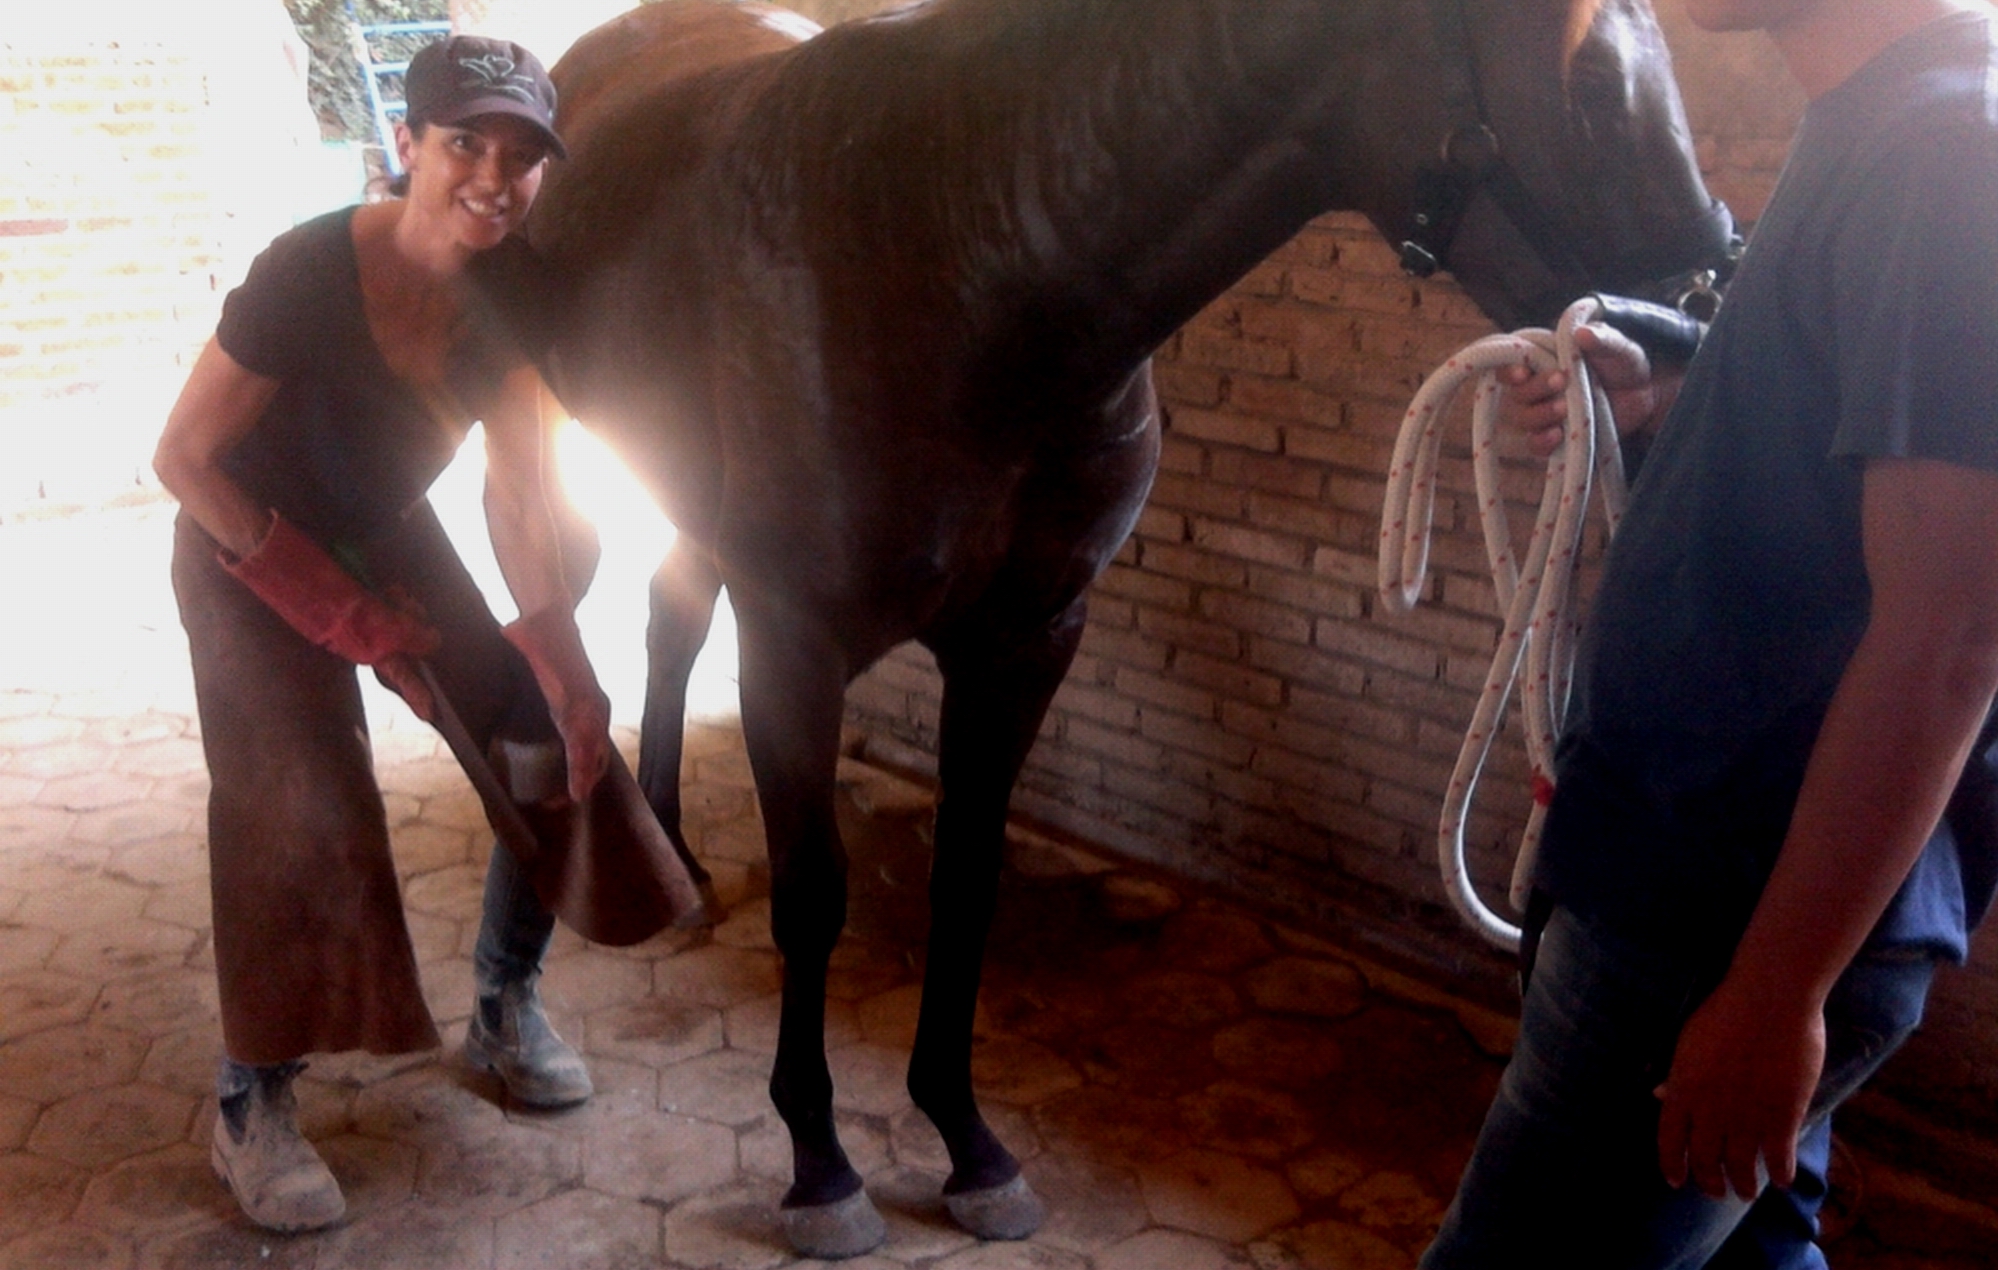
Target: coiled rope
[[1535, 596]]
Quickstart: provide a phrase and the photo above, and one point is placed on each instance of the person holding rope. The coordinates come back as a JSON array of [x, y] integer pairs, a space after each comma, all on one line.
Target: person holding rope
[[1776, 801], [342, 377]]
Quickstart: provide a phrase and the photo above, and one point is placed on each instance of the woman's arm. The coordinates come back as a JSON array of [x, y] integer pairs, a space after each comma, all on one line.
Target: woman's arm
[[519, 438], [220, 404], [217, 407]]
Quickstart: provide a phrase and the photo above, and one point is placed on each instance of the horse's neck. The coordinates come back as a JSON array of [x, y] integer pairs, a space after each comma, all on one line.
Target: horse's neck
[[1130, 159]]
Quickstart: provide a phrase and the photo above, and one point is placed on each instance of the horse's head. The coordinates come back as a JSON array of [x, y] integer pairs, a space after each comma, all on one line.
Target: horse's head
[[1562, 161]]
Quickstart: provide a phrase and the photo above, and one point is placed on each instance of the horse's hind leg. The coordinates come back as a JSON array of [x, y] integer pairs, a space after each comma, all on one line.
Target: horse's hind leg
[[793, 689], [995, 696], [682, 608]]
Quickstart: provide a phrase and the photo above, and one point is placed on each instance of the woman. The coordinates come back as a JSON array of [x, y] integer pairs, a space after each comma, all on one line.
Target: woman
[[343, 375]]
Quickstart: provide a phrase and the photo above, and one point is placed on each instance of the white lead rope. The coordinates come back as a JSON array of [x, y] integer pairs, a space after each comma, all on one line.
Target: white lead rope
[[1536, 597]]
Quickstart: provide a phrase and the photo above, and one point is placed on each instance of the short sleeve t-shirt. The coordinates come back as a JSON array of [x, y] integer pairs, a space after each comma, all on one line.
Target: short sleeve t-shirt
[[1863, 323], [345, 447]]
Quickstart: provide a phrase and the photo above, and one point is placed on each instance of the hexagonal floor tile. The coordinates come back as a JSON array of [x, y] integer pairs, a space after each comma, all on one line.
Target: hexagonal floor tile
[[717, 976], [128, 950], [102, 1126], [580, 1230], [40, 1193], [733, 1227], [1334, 1243], [68, 1248], [496, 1170], [654, 1031], [728, 1087], [650, 1155], [23, 948], [98, 901], [161, 1191], [1221, 1196], [161, 1002], [1175, 1248], [51, 1065]]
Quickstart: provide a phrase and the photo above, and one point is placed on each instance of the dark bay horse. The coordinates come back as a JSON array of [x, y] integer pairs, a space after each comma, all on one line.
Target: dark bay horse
[[870, 313]]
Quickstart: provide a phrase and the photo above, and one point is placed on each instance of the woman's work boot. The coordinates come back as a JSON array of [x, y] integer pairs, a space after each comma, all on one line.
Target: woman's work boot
[[278, 1179], [511, 1037]]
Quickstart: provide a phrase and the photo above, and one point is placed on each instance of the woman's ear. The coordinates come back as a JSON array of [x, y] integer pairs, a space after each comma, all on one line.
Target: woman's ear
[[405, 144]]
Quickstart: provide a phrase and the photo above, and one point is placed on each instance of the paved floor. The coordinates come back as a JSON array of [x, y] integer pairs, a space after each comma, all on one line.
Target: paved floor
[[1190, 1084]]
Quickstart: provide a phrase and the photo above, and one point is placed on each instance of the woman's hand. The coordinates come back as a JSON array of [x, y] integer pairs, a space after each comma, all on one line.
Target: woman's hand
[[1534, 408], [554, 651]]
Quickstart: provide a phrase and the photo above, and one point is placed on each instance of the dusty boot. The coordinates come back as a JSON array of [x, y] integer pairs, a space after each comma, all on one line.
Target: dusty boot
[[277, 1177], [510, 1036]]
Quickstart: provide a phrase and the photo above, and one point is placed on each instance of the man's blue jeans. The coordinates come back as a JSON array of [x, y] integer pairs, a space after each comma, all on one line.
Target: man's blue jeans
[[1565, 1173]]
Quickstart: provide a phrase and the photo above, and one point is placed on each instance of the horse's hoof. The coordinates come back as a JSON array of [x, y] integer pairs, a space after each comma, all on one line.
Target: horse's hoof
[[1009, 1210], [833, 1232]]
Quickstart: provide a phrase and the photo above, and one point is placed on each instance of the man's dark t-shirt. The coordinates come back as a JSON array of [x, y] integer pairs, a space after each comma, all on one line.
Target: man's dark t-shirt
[[1863, 324]]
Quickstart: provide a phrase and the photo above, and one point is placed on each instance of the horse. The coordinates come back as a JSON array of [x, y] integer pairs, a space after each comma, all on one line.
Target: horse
[[869, 311]]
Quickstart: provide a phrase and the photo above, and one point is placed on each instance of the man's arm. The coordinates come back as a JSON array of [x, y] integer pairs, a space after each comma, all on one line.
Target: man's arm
[[1894, 741]]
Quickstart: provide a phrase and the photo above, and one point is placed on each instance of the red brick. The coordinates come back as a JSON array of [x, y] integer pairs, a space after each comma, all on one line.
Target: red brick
[[1188, 493], [1228, 429], [1284, 399], [1195, 565], [1115, 744], [1208, 347], [1243, 543], [1187, 385], [1125, 648], [1227, 679], [1195, 736], [1097, 703], [1274, 473], [1145, 588], [1180, 631], [1257, 617], [1166, 692], [1304, 665]]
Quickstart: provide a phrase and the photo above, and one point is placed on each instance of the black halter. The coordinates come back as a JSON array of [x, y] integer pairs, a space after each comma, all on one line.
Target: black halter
[[1471, 160]]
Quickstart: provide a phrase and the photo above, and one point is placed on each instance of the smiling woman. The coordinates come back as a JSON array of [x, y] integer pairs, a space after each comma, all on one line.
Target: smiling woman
[[343, 376]]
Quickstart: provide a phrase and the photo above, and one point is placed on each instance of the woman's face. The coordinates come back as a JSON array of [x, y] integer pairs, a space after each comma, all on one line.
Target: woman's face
[[475, 180]]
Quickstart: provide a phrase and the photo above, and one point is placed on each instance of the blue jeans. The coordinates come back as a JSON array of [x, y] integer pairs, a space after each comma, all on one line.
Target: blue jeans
[[514, 930], [1565, 1172], [514, 926]]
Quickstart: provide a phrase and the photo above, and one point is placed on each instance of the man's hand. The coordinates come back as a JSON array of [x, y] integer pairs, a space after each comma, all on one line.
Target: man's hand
[[1536, 406], [1741, 1082]]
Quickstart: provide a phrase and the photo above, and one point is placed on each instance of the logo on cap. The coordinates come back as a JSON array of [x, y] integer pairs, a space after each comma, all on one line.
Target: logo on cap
[[496, 73]]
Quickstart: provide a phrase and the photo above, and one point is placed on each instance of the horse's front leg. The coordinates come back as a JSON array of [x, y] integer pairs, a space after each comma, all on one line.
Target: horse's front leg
[[793, 685], [996, 692]]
